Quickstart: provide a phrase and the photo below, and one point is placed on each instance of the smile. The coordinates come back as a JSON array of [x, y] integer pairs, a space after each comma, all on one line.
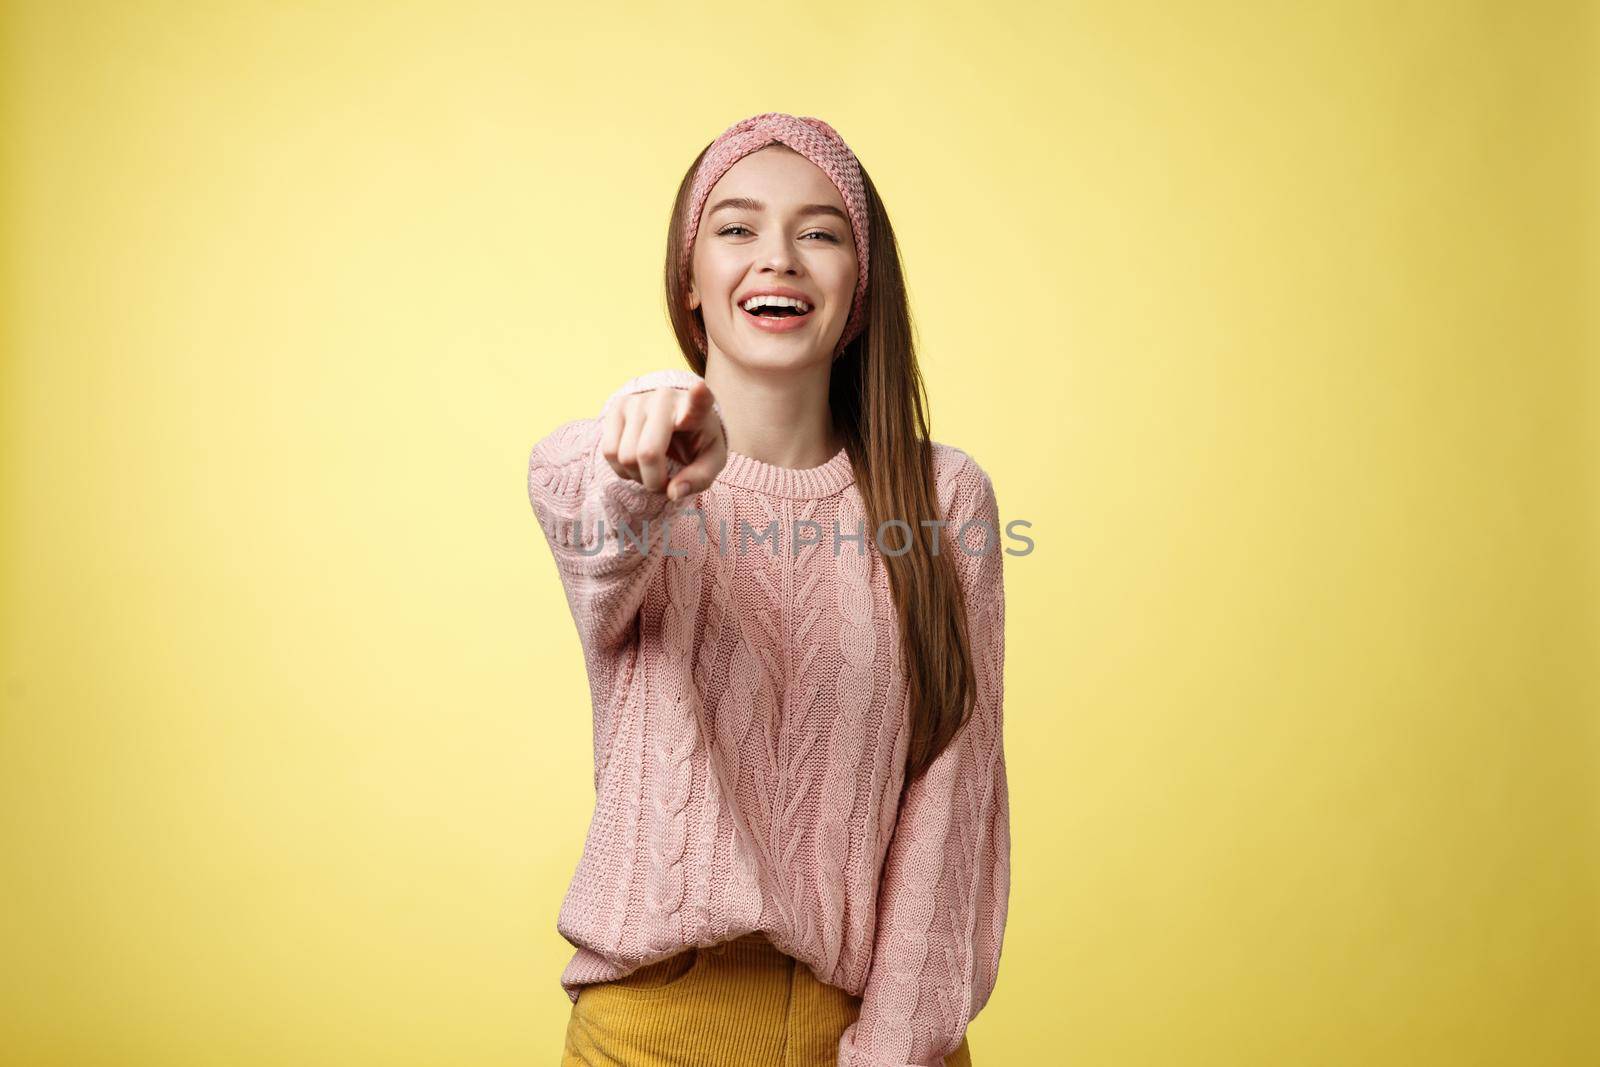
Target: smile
[[778, 319]]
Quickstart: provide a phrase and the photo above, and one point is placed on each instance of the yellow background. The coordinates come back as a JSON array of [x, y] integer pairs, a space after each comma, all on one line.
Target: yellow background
[[1275, 320]]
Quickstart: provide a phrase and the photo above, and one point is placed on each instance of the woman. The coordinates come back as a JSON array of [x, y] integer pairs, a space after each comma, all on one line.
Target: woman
[[791, 610]]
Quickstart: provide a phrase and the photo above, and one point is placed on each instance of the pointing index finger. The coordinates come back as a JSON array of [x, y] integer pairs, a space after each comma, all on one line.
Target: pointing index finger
[[695, 407]]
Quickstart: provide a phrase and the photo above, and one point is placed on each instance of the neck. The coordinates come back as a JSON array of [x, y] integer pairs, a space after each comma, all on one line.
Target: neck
[[777, 415]]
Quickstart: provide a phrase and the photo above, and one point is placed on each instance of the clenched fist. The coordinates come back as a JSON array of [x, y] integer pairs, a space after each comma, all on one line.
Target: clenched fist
[[643, 430]]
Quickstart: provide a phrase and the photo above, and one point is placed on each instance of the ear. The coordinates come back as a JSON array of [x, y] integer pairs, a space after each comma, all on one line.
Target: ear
[[694, 296]]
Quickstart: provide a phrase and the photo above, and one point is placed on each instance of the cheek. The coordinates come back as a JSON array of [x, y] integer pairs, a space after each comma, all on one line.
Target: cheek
[[716, 279], [845, 284]]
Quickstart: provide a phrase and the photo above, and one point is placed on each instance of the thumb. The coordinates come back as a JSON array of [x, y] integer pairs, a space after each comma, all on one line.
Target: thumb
[[698, 474]]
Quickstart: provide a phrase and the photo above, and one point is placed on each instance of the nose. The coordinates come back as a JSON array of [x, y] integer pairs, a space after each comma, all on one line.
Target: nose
[[778, 254]]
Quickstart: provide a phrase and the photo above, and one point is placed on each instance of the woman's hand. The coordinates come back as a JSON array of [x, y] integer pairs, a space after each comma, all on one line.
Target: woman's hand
[[643, 430]]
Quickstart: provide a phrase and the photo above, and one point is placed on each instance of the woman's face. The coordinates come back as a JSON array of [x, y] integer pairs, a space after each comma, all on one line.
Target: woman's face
[[777, 234]]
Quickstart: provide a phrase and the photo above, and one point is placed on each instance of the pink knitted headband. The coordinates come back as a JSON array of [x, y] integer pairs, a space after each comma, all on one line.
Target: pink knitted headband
[[819, 143]]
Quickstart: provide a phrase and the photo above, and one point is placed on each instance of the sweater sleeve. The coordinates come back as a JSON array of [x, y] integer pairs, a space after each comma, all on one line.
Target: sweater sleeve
[[947, 875], [577, 497]]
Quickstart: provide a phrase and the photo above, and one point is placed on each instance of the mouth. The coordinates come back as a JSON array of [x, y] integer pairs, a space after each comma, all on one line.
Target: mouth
[[778, 319]]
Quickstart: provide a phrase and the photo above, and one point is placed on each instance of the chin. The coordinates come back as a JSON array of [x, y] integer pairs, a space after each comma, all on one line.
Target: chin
[[777, 351], [773, 357]]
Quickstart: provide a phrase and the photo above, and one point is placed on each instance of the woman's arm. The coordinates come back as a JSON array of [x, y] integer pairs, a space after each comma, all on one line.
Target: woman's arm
[[574, 490], [947, 875]]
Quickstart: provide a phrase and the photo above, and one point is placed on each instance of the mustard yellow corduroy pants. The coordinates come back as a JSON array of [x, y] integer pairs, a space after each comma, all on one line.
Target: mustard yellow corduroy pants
[[742, 1003]]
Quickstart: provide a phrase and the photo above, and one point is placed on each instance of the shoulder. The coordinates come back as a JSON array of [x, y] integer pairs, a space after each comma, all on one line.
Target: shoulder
[[947, 457], [563, 463], [570, 443], [964, 487]]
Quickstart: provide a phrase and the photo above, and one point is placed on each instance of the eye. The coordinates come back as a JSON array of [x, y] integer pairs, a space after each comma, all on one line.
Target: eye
[[824, 234]]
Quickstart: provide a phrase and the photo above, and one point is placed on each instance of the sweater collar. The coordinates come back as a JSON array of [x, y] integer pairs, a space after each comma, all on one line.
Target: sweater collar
[[799, 483]]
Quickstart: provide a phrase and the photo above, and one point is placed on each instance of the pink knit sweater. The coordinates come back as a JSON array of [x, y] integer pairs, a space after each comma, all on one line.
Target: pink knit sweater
[[750, 730]]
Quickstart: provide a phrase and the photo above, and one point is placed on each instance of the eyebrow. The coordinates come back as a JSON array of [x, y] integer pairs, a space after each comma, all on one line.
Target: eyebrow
[[745, 203]]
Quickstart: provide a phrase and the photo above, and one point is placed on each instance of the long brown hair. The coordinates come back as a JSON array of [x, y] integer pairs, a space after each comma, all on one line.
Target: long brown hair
[[876, 395]]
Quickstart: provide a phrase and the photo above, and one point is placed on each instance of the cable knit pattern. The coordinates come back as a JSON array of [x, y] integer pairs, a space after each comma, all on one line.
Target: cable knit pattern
[[750, 731], [673, 740]]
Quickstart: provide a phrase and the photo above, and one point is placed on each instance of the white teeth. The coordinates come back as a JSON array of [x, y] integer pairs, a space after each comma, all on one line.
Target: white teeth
[[775, 301]]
